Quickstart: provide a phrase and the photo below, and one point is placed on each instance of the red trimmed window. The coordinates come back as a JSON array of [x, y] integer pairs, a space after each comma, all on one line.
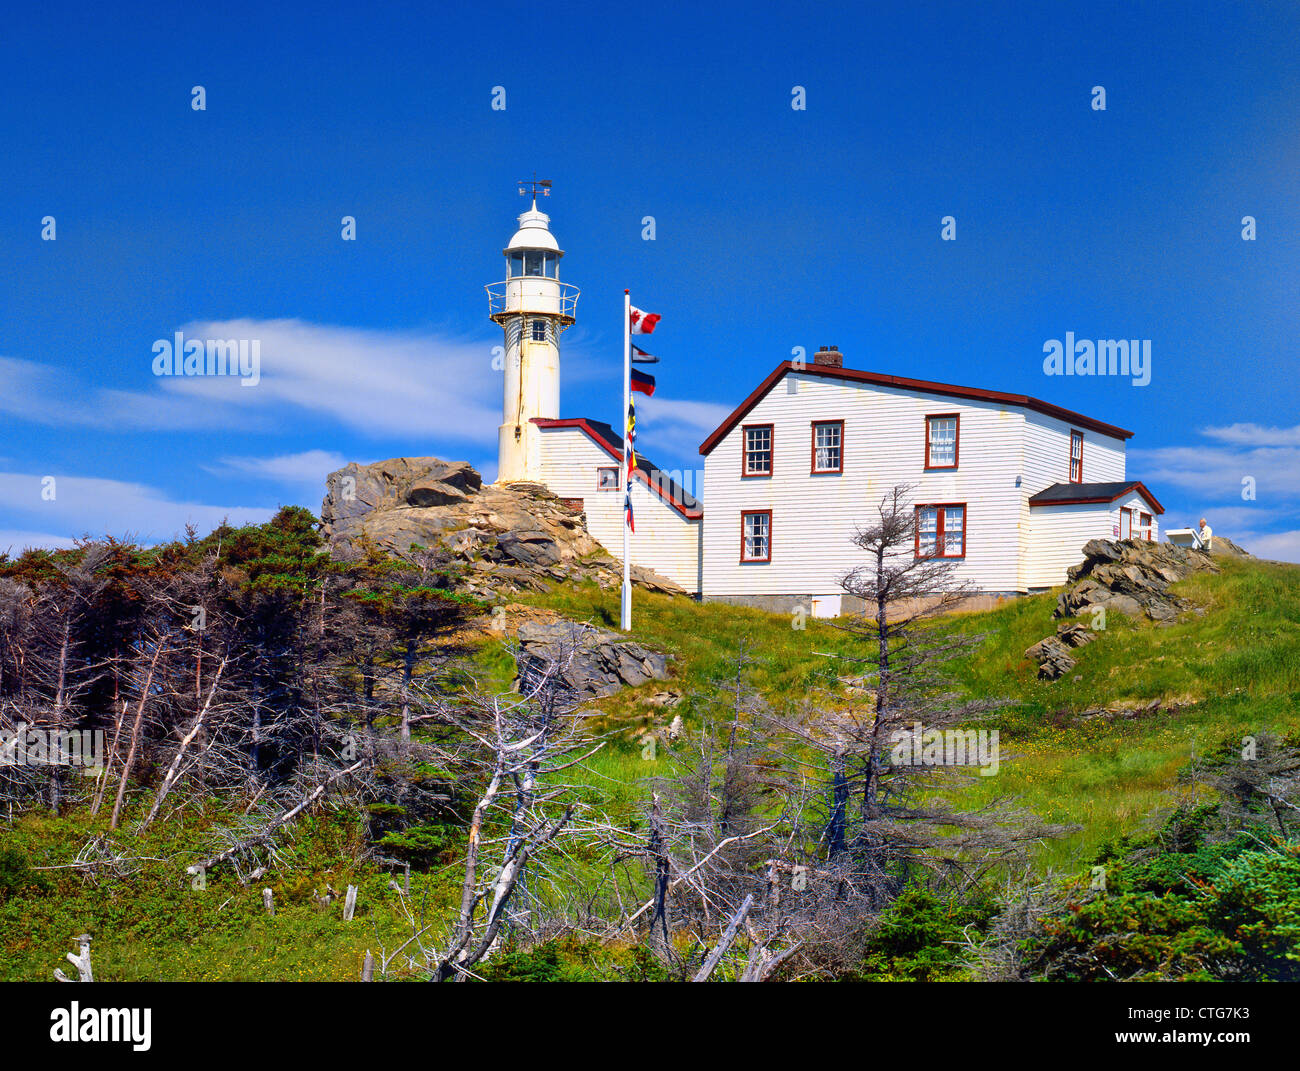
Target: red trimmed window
[[1144, 526], [607, 478], [941, 440], [1076, 457], [756, 536], [756, 459], [828, 446], [941, 531]]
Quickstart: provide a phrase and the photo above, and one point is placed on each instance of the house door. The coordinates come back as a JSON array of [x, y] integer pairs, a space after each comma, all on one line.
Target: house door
[[1126, 524]]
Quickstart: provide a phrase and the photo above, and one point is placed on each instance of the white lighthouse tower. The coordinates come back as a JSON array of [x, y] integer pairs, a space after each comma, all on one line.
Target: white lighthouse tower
[[533, 307]]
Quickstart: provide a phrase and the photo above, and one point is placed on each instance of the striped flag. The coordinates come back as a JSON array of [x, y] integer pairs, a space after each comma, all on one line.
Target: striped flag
[[630, 447], [642, 382], [627, 510]]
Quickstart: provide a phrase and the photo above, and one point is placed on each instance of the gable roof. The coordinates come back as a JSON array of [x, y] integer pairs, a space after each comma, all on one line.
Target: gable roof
[[658, 481], [1071, 494], [1022, 401]]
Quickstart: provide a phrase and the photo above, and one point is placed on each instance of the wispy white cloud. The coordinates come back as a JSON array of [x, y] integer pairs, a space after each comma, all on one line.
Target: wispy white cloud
[[1279, 546], [1217, 472], [374, 382], [673, 427], [95, 507], [1246, 482], [57, 398], [1254, 435], [300, 476], [309, 466], [13, 541]]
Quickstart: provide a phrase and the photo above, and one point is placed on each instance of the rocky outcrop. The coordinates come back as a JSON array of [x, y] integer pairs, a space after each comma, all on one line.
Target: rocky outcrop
[[589, 662], [507, 537], [1226, 548], [1053, 653], [1131, 577]]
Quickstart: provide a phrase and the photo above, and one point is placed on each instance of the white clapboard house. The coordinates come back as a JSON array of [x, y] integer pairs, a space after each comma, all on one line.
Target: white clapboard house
[[1007, 486]]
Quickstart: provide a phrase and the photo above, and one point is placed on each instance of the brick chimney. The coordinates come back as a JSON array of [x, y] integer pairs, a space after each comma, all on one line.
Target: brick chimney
[[829, 356]]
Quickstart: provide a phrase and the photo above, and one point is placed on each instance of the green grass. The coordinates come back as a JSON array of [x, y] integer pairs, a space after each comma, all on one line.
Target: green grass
[[1230, 671], [157, 925]]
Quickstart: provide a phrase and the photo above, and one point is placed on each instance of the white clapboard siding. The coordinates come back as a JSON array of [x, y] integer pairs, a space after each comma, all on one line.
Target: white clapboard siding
[[665, 541], [1058, 533], [1057, 536], [1047, 462], [814, 517], [1047, 453]]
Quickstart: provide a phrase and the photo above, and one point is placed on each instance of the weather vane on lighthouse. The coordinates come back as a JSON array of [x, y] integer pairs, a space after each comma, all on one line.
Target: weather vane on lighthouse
[[537, 184]]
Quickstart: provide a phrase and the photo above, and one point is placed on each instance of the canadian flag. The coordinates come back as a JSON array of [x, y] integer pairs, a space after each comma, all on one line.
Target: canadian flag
[[643, 323]]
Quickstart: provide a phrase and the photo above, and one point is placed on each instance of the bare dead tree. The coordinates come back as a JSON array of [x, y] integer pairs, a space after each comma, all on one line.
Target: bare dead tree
[[514, 748], [1258, 782], [1027, 899]]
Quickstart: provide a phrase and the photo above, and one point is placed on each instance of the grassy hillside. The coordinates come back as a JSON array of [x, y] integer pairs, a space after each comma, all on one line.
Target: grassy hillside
[[1230, 670], [1233, 669]]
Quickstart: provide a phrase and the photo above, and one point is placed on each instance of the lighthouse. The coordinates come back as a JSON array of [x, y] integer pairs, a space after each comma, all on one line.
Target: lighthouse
[[533, 307]]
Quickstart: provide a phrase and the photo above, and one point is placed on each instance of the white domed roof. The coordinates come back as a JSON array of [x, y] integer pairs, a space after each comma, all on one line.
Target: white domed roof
[[533, 232]]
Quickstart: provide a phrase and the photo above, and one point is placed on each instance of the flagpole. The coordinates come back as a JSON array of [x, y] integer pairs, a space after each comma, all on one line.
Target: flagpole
[[625, 616]]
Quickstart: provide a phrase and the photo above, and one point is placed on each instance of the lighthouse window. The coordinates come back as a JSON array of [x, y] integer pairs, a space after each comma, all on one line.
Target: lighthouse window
[[534, 263], [538, 328], [516, 264]]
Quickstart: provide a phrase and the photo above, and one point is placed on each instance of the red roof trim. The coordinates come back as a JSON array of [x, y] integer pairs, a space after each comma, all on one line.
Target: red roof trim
[[1022, 401], [691, 513], [1136, 485]]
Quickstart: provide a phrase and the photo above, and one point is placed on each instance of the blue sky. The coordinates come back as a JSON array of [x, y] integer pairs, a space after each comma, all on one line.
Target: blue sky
[[775, 228]]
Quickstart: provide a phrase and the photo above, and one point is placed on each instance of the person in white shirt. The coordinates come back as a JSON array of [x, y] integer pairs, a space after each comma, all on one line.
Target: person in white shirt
[[1206, 536]]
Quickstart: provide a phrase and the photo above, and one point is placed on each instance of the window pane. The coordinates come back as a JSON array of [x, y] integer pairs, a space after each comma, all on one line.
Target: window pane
[[533, 263], [826, 441], [943, 440], [516, 264], [953, 531], [928, 519], [756, 535], [758, 450]]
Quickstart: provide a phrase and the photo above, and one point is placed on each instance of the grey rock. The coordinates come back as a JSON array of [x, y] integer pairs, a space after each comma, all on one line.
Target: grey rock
[[535, 549], [588, 662], [1074, 634], [1045, 649], [490, 529], [1131, 577], [1055, 667]]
